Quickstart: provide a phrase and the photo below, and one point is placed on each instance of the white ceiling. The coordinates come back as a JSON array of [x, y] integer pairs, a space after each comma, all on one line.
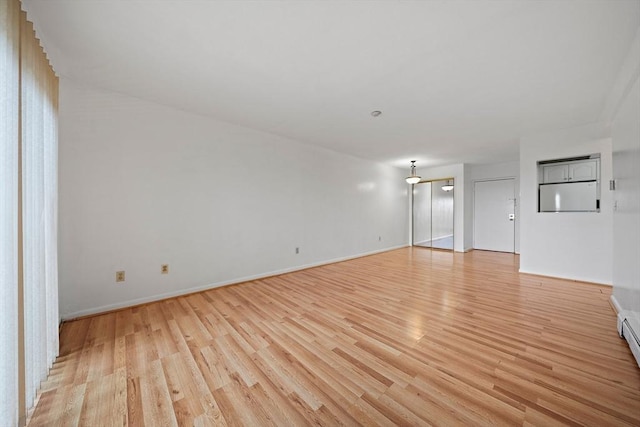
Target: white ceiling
[[457, 81]]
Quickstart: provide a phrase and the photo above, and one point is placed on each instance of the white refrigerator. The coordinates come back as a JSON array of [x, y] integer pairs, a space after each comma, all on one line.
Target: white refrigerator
[[569, 197]]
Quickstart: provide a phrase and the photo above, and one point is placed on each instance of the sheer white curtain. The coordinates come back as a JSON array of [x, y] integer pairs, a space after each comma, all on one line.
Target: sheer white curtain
[[28, 214], [50, 119], [9, 138], [38, 101]]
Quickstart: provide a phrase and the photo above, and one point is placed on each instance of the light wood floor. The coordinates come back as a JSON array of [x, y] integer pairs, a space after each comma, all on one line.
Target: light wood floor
[[408, 337]]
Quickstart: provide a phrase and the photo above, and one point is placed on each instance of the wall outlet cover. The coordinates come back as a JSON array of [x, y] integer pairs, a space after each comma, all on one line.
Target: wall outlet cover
[[119, 276]]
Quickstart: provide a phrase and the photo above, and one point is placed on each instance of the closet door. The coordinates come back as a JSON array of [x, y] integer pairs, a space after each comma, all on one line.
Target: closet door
[[422, 214], [441, 215], [433, 215]]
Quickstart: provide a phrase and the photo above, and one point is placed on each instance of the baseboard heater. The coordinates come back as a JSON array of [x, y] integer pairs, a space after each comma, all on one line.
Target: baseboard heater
[[626, 331]]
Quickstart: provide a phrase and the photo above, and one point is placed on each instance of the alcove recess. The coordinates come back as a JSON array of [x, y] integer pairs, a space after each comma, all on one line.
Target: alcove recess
[[569, 184]]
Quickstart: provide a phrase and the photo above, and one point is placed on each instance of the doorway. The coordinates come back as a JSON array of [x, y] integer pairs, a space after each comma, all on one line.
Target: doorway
[[433, 214], [494, 215]]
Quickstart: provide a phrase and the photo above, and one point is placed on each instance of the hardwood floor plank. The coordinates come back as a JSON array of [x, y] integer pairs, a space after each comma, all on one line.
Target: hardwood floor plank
[[285, 378], [134, 402], [473, 405], [214, 370], [367, 415], [157, 407], [406, 337], [321, 364]]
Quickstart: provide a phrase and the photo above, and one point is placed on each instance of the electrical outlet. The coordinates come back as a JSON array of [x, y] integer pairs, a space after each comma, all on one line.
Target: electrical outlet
[[119, 276], [164, 269], [297, 250]]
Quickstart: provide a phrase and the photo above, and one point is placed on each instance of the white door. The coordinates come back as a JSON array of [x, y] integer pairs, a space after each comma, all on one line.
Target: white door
[[494, 215]]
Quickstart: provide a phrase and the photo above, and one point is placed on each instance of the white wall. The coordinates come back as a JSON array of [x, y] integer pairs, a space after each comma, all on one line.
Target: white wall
[[457, 172], [489, 172], [625, 133], [573, 245], [143, 184]]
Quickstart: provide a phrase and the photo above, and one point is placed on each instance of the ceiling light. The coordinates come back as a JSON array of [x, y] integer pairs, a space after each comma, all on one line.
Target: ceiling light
[[448, 186], [376, 113], [413, 178]]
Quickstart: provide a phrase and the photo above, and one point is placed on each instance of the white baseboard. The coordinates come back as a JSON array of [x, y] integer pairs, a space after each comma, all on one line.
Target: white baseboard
[[615, 304], [627, 329], [559, 276], [159, 297], [632, 337]]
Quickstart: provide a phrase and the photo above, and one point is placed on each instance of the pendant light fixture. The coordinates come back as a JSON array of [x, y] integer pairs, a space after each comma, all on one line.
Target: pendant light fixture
[[413, 178], [448, 186]]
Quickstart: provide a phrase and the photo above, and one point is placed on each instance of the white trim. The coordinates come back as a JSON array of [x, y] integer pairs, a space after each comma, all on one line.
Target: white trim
[[619, 316], [159, 297], [556, 276], [625, 329], [615, 304], [627, 332]]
